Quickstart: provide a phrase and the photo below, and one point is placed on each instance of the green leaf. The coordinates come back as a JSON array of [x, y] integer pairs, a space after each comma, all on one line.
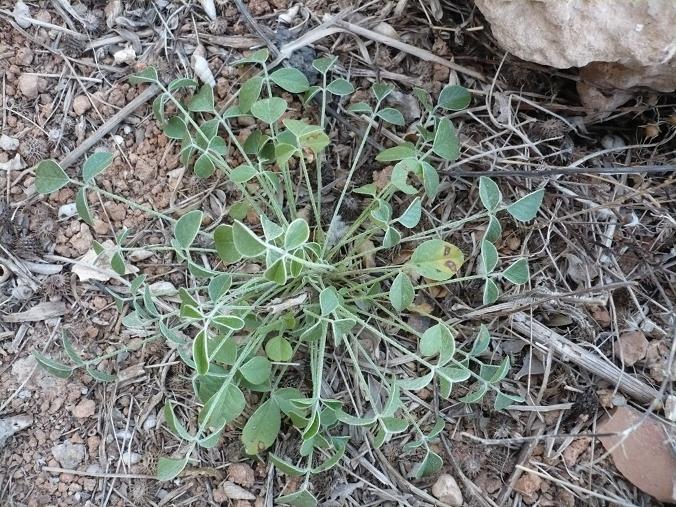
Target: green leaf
[[329, 300], [225, 245], [147, 75], [401, 292], [225, 406], [232, 322], [392, 237], [310, 94], [210, 441], [476, 395], [174, 424], [489, 257], [70, 350], [284, 152], [454, 98], [246, 242], [249, 93], [391, 115], [489, 193], [218, 286], [399, 177], [503, 401], [286, 467], [340, 87], [415, 384], [204, 166], [517, 273], [437, 260], [53, 367], [269, 110], [437, 339], [101, 376], [491, 292], [383, 213], [271, 230], [494, 230], [430, 178], [175, 128], [430, 465], [262, 428], [406, 150], [95, 165], [187, 227], [360, 107], [381, 90], [259, 56], [117, 263], [527, 207], [182, 82], [302, 498], [49, 177], [481, 342], [315, 141], [203, 100], [297, 233], [324, 64], [446, 143], [454, 374], [200, 353], [314, 332], [277, 272], [423, 97], [242, 174], [170, 468], [340, 327], [411, 216], [82, 206], [279, 349], [149, 303], [256, 370], [290, 79]]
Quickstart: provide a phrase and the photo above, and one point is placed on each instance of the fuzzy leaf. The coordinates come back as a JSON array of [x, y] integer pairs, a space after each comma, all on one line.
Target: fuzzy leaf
[[187, 227], [401, 292], [49, 177], [454, 98], [446, 143], [95, 165], [517, 273], [527, 207], [437, 260], [290, 79]]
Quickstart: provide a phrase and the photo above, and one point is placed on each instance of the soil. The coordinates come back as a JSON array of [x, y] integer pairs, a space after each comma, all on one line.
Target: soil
[[97, 444]]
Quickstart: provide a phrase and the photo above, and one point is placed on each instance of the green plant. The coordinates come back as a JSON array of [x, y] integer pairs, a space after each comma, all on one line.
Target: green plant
[[324, 281]]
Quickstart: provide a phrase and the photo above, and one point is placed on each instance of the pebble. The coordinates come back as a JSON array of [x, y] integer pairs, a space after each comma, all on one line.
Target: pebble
[[528, 485], [8, 143], [24, 56], [130, 458], [68, 454], [447, 490], [28, 85], [84, 409], [632, 347], [81, 105]]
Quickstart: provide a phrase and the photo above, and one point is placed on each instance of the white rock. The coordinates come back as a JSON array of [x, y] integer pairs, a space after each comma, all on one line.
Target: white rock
[[67, 210], [447, 490], [16, 164], [150, 422], [28, 85], [68, 454], [8, 143], [22, 14], [131, 458], [670, 407], [126, 56], [86, 408], [622, 44]]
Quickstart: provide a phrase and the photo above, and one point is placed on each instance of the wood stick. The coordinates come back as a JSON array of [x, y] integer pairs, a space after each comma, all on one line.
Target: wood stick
[[109, 125], [546, 339]]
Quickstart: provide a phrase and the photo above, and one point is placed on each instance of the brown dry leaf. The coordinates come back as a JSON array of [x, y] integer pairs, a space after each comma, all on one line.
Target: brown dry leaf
[[41, 311], [631, 347], [574, 450], [382, 178], [242, 474], [528, 485], [644, 456]]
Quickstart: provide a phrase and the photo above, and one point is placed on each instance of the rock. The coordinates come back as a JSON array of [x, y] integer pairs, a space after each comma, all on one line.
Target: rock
[[81, 105], [631, 347], [619, 44], [447, 490], [670, 407], [528, 485], [131, 458], [84, 409], [643, 455], [68, 454], [28, 85], [8, 143], [24, 56]]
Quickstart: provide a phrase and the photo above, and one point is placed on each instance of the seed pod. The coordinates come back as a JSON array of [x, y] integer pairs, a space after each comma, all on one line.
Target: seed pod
[[201, 66]]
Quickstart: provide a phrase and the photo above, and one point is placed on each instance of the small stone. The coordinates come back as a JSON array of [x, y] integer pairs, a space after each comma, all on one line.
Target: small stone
[[28, 85], [447, 490], [84, 409], [68, 454], [632, 347], [528, 485], [8, 143], [24, 56], [130, 458], [81, 105], [670, 407]]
